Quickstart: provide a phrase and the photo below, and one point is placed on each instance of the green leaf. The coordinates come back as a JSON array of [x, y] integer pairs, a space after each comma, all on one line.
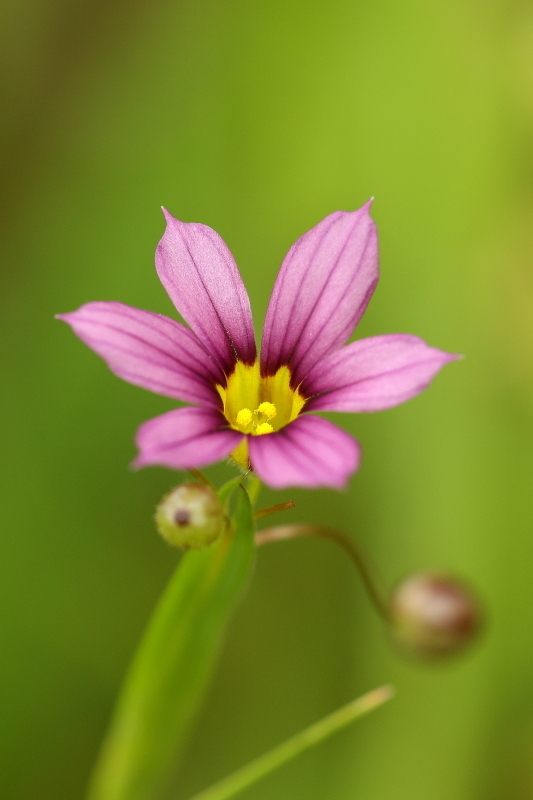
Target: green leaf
[[226, 491], [174, 661], [283, 753]]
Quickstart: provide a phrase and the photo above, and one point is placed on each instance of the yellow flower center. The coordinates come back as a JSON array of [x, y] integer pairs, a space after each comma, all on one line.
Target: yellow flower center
[[256, 405]]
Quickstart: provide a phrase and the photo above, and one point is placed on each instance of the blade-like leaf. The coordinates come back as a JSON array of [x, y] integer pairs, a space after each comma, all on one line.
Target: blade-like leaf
[[283, 753], [172, 666]]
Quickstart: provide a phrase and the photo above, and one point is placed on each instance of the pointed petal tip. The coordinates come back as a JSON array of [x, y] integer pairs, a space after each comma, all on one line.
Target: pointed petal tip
[[148, 350], [323, 287], [67, 316], [179, 227], [364, 209], [361, 211], [201, 278], [374, 374], [167, 215], [446, 357]]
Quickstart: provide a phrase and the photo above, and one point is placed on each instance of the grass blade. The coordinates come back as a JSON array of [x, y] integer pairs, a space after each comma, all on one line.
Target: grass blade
[[262, 766]]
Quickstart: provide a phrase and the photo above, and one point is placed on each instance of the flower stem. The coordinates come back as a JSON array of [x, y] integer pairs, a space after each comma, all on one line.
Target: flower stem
[[281, 532], [263, 512], [257, 769], [202, 478]]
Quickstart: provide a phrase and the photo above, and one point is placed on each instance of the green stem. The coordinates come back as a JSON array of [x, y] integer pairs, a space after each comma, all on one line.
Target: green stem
[[246, 776]]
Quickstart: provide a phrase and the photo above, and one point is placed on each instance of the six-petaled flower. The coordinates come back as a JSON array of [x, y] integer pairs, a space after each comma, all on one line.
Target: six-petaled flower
[[257, 409]]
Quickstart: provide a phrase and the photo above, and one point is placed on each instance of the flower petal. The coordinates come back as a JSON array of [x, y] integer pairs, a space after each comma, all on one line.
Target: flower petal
[[309, 452], [201, 277], [324, 285], [185, 438], [373, 374], [149, 350]]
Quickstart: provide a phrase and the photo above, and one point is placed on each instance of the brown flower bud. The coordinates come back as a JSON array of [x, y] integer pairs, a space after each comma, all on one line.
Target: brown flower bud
[[433, 616], [190, 516]]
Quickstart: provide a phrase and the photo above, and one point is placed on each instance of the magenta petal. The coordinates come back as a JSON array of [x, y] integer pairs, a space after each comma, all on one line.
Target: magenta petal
[[373, 374], [201, 277], [185, 438], [149, 350], [309, 452], [324, 285]]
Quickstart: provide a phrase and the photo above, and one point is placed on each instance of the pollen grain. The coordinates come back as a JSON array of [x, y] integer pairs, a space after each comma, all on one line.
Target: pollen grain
[[268, 409], [264, 427], [244, 417]]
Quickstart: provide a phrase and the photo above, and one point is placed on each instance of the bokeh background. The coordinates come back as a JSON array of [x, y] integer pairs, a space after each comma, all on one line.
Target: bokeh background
[[259, 118]]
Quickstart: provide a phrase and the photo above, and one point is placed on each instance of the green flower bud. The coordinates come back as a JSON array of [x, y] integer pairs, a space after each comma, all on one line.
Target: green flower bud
[[433, 616], [191, 516]]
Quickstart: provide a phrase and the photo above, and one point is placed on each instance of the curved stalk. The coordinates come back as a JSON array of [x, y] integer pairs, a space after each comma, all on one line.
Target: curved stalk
[[282, 532]]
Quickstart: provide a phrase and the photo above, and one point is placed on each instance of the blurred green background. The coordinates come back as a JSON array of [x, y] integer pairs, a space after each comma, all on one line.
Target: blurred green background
[[259, 118]]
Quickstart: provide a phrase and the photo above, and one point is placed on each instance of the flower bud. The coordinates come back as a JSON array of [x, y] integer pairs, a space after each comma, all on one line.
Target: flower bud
[[191, 516], [433, 616]]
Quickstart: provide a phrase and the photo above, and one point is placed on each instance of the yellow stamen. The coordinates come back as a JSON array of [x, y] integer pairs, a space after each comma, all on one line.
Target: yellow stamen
[[244, 417], [268, 409], [256, 406], [264, 427]]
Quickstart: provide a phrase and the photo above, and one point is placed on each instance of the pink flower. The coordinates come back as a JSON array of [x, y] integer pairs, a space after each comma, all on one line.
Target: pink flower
[[256, 410]]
